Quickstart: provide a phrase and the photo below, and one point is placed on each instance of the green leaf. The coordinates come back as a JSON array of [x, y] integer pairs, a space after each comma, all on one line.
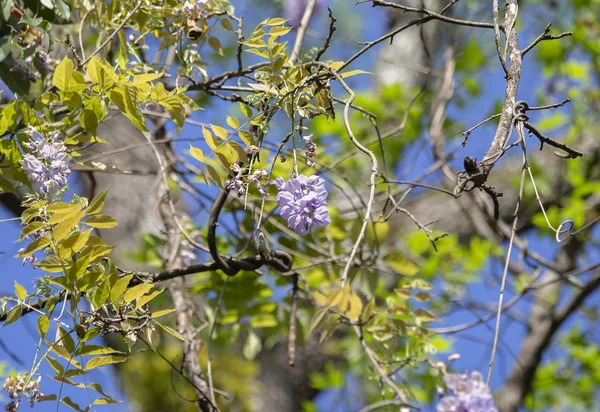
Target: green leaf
[[101, 221], [20, 291], [13, 315], [31, 228], [67, 401], [252, 347], [279, 31], [104, 360], [246, 137], [63, 353], [137, 291], [424, 315], [353, 73], [36, 245], [197, 154], [61, 211], [209, 138], [89, 121], [171, 332], [214, 175], [219, 131], [89, 350], [104, 401], [101, 294], [246, 110], [97, 204], [147, 298], [62, 74], [163, 312], [127, 101], [146, 78], [43, 324], [119, 287], [317, 319], [56, 365], [52, 264], [274, 21], [233, 122], [215, 44], [264, 320], [62, 229]]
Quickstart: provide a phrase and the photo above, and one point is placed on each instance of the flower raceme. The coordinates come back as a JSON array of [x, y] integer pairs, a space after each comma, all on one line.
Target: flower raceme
[[303, 202], [469, 394], [49, 168]]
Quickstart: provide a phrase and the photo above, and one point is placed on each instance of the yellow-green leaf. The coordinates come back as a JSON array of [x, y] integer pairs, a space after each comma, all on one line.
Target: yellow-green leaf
[[160, 313], [43, 324], [246, 137], [31, 228], [97, 204], [197, 153], [214, 175], [171, 332], [145, 78], [246, 110], [13, 315], [147, 298], [37, 244], [119, 287], [353, 73], [62, 229], [62, 74], [219, 131], [263, 321], [215, 44], [101, 221], [20, 291], [209, 138], [317, 319], [424, 315], [89, 350], [137, 291], [104, 360], [233, 122]]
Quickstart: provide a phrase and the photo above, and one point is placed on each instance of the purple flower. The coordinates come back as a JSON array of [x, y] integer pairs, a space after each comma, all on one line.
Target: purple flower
[[303, 202], [469, 394], [49, 169]]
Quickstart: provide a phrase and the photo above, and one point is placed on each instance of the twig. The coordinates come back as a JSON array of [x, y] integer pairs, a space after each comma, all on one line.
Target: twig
[[113, 34], [571, 153], [497, 36], [293, 314], [545, 36], [430, 14], [332, 21]]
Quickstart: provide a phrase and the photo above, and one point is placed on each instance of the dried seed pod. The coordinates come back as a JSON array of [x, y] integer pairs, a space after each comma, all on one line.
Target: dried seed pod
[[192, 30]]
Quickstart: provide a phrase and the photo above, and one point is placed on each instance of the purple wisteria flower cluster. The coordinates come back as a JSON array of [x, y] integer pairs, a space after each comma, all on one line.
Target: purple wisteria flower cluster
[[20, 386], [469, 394], [47, 164], [303, 202]]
